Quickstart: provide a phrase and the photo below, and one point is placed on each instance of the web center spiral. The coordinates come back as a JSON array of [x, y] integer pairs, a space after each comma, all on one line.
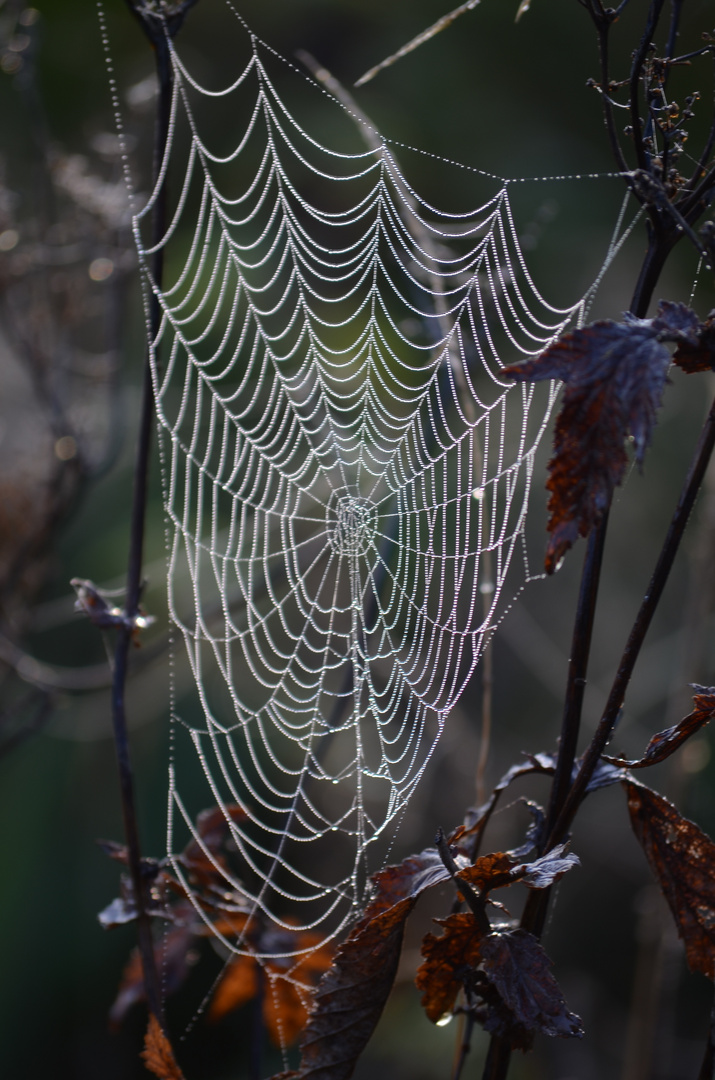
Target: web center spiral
[[352, 524]]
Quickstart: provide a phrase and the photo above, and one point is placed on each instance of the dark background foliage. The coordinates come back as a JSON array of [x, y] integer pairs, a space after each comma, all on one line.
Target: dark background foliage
[[508, 98]]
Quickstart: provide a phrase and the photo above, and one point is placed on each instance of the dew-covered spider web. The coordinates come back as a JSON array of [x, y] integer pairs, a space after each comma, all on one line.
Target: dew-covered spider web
[[346, 476]]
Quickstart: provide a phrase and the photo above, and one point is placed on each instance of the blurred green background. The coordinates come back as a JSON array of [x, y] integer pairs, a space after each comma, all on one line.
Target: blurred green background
[[511, 99]]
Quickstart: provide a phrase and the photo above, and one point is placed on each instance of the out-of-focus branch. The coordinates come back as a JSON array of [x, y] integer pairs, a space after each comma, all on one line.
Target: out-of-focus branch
[[430, 32]]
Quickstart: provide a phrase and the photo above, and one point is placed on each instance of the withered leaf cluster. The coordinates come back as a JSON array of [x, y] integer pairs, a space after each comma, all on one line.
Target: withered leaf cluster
[[498, 972], [351, 995], [288, 979]]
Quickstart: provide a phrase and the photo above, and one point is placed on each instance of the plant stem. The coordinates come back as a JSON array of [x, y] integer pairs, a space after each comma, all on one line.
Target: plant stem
[[707, 1069], [694, 479], [535, 909], [578, 667], [466, 1046], [496, 1066], [157, 36]]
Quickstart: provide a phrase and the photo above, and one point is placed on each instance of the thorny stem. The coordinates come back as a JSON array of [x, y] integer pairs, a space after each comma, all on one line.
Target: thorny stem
[[156, 31], [653, 263], [676, 13], [578, 666]]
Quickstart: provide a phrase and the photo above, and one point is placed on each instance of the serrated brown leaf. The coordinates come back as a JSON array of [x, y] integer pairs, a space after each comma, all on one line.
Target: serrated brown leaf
[[662, 745], [350, 997], [448, 959], [518, 968], [158, 1054], [615, 374], [682, 858]]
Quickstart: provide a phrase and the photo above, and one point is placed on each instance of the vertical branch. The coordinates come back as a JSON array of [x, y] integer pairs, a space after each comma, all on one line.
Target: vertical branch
[[158, 29], [691, 487], [534, 914]]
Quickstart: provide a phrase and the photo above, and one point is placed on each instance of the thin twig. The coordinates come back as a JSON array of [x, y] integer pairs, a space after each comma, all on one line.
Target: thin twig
[[430, 32], [603, 23], [639, 59], [157, 29]]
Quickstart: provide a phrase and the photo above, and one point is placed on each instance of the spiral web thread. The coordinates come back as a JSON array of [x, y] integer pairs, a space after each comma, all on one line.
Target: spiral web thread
[[346, 478]]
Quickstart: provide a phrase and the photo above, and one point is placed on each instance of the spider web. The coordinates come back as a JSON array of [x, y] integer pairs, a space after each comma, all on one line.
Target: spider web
[[345, 476]]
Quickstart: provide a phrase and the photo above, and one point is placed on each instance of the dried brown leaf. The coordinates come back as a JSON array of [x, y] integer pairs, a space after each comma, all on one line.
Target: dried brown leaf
[[662, 745], [489, 872], [286, 1005], [448, 959], [615, 374], [499, 870], [158, 1054], [350, 997], [520, 971], [238, 984], [682, 858]]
